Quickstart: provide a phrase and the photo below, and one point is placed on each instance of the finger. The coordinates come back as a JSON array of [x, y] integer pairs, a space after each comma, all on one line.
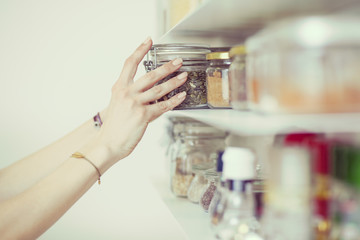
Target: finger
[[160, 90], [157, 109], [150, 78], [132, 62]]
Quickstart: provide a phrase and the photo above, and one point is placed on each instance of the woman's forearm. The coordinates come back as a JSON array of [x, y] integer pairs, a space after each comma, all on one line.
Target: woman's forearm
[[29, 214], [23, 174]]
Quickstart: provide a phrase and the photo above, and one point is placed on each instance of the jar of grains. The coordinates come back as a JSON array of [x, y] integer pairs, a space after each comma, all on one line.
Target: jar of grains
[[237, 78], [217, 81], [199, 143], [194, 63]]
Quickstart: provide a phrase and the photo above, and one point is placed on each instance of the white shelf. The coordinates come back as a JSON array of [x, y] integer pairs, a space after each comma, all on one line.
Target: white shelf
[[229, 22], [250, 123], [193, 220]]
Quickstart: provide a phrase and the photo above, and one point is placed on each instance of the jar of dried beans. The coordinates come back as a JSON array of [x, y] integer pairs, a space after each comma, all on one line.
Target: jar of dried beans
[[237, 78], [194, 63], [199, 143], [217, 81]]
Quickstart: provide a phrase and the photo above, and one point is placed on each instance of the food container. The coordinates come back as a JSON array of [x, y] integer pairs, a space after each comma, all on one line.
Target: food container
[[194, 63], [237, 78], [306, 65], [199, 144], [217, 81], [199, 183], [213, 179]]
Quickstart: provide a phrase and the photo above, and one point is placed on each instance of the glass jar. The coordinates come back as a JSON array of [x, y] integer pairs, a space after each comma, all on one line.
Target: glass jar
[[217, 82], [212, 178], [199, 143], [237, 78], [199, 182], [194, 63], [305, 65]]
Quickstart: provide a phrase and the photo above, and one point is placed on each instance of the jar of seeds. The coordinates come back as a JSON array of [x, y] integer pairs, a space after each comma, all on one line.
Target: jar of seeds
[[217, 82], [237, 78], [199, 143], [194, 63]]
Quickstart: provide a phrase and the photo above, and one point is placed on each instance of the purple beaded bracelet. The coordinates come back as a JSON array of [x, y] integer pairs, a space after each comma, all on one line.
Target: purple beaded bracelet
[[97, 120]]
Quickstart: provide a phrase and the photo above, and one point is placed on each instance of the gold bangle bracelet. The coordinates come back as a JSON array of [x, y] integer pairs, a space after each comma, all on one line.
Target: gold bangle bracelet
[[80, 155]]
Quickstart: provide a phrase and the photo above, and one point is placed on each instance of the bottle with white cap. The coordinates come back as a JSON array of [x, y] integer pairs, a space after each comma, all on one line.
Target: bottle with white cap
[[237, 220]]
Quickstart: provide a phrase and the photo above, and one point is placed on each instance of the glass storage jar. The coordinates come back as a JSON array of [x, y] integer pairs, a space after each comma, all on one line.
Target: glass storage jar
[[199, 182], [306, 65], [237, 78], [213, 179], [217, 82], [194, 63], [199, 143]]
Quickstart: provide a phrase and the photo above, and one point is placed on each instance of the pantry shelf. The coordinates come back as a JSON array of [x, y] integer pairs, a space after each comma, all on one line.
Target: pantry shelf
[[251, 123], [193, 220], [229, 22]]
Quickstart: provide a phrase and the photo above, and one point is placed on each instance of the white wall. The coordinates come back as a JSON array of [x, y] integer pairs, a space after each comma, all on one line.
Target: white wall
[[58, 61]]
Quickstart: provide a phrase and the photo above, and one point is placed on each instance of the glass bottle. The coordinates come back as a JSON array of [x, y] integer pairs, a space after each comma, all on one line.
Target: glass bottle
[[199, 183], [238, 220], [194, 63], [217, 81], [237, 77], [212, 177], [199, 144]]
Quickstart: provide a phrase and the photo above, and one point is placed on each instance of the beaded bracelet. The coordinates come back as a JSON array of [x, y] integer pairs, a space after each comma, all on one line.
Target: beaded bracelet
[[97, 120], [80, 155]]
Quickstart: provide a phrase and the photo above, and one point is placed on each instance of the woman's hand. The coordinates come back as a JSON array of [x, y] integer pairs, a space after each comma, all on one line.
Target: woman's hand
[[130, 111]]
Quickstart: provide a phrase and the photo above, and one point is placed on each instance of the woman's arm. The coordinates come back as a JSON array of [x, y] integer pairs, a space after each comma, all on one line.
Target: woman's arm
[[30, 213], [29, 170]]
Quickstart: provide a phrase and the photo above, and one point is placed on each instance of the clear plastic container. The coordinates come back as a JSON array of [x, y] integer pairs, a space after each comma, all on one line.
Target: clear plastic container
[[305, 65], [194, 63], [217, 81], [237, 78], [199, 143]]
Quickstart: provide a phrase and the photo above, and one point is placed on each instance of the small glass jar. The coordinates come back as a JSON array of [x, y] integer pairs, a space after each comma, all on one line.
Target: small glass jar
[[213, 178], [237, 78], [199, 182], [199, 143], [217, 82], [194, 63]]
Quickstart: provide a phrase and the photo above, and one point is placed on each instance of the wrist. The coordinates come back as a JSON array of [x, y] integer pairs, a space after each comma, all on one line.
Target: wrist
[[98, 154]]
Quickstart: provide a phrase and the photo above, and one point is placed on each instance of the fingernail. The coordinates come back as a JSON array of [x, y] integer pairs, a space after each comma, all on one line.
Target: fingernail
[[182, 75], [177, 61], [182, 95], [147, 40]]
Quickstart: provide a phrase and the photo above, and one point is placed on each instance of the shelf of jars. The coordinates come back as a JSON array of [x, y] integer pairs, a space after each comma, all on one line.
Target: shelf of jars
[[228, 22], [252, 123]]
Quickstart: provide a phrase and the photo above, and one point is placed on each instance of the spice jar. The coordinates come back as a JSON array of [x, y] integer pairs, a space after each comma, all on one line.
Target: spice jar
[[237, 78], [194, 63], [199, 182], [199, 143], [213, 178], [217, 81]]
